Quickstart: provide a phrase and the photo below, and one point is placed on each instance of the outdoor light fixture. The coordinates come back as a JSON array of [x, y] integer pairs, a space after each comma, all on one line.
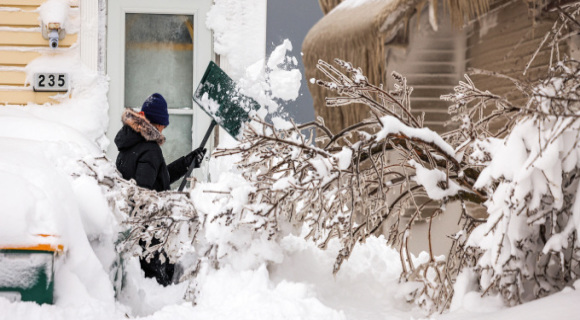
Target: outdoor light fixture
[[53, 33]]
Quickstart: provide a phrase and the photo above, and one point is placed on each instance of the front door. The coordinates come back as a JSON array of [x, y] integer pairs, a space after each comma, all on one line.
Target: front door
[[164, 47]]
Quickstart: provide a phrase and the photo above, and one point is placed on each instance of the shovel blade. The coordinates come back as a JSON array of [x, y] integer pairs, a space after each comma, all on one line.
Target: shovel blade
[[218, 95]]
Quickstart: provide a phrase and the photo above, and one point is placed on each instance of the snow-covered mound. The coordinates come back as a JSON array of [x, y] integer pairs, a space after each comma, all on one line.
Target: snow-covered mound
[[41, 198]]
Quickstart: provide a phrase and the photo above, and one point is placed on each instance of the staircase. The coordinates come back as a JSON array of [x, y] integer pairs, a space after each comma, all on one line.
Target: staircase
[[433, 62]]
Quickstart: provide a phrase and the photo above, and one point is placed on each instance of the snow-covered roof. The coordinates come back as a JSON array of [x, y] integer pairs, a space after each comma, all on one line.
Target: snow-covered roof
[[354, 31]]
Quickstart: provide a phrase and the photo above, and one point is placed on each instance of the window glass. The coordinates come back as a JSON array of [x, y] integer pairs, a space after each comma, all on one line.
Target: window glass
[[178, 143], [159, 58]]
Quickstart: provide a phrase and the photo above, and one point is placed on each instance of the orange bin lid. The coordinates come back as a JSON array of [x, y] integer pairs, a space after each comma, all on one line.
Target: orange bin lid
[[59, 248]]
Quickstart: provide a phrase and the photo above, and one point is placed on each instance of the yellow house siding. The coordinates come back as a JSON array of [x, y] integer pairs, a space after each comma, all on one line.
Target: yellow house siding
[[34, 39], [17, 58], [21, 2], [21, 42], [24, 97], [30, 4], [19, 19], [12, 78]]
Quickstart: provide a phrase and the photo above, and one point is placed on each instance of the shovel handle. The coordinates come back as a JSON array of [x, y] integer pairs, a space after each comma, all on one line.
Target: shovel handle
[[191, 167]]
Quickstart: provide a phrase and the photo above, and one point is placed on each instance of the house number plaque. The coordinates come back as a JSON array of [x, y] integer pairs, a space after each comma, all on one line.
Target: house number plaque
[[54, 82]]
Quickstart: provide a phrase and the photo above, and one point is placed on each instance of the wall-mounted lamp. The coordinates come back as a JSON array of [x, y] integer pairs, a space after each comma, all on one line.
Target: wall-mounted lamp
[[53, 33]]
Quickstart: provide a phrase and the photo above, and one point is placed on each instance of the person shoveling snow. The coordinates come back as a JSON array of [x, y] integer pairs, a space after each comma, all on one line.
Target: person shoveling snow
[[140, 158], [139, 140]]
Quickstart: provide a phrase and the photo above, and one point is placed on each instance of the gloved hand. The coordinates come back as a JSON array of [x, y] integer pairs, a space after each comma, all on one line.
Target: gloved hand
[[195, 157]]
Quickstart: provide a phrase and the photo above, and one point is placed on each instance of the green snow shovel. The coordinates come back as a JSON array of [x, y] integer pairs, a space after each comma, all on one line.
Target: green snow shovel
[[219, 97]]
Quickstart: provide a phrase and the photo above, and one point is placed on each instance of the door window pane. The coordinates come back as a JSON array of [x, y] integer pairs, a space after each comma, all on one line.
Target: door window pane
[[159, 58], [177, 143]]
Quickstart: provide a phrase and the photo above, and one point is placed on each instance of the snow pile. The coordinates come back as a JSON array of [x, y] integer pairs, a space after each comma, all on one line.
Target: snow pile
[[231, 294], [55, 11], [141, 297], [37, 202], [235, 233], [41, 198], [239, 33], [46, 190], [367, 286]]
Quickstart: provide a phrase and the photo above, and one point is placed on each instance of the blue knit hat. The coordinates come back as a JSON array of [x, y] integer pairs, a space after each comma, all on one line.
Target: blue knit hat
[[155, 109]]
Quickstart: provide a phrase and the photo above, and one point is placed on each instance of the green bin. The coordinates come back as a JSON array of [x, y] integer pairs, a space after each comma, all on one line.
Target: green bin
[[27, 273]]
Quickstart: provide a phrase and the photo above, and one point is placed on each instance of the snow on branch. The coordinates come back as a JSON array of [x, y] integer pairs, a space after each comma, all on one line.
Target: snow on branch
[[155, 221]]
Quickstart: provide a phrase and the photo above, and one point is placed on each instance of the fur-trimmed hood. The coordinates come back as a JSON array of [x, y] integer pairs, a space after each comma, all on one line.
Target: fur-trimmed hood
[[142, 126]]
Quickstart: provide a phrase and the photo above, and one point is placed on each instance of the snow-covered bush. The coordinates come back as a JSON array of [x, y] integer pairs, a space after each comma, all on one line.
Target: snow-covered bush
[[528, 246]]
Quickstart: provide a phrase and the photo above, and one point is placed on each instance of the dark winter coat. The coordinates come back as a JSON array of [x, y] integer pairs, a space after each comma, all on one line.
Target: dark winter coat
[[140, 155]]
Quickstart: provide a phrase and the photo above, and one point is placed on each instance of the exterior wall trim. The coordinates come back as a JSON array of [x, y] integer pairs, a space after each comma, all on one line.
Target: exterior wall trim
[[89, 37]]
